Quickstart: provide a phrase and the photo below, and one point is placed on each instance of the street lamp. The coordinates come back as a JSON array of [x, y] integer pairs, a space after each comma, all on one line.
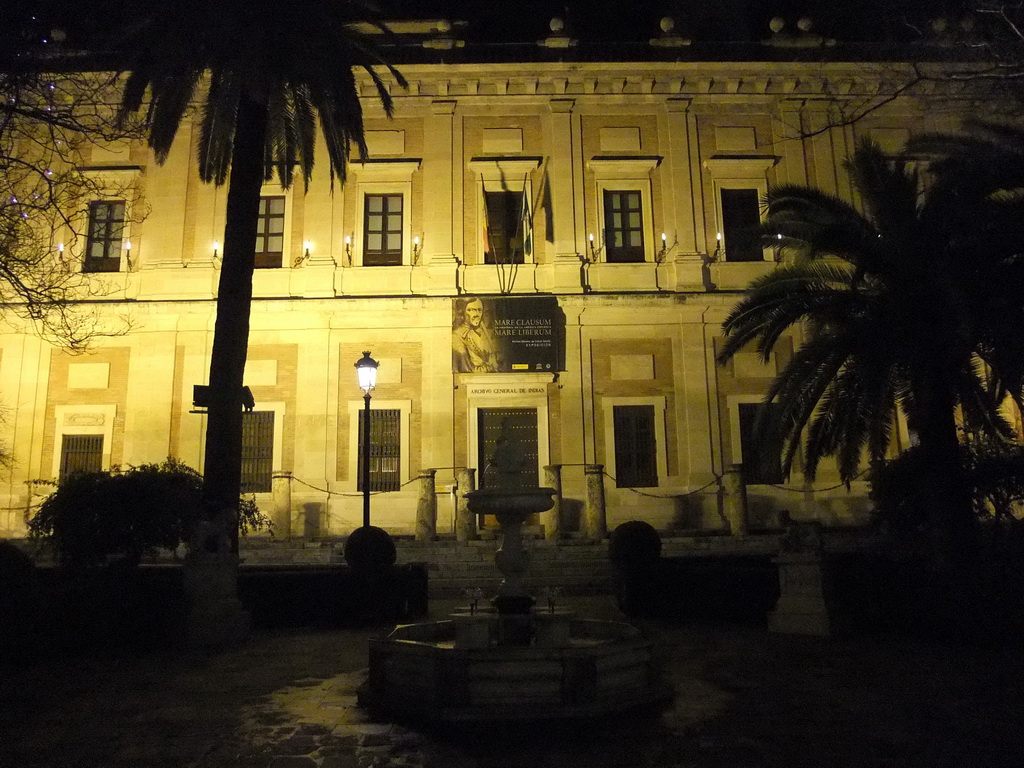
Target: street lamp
[[366, 370]]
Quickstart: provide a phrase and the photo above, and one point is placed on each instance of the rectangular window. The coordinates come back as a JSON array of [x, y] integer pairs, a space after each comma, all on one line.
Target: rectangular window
[[257, 451], [507, 222], [623, 226], [80, 453], [270, 233], [507, 444], [636, 459], [761, 463], [741, 221], [106, 230], [385, 449], [382, 224]]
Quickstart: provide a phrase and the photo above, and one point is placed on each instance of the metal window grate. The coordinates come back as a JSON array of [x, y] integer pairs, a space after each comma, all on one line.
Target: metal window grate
[[385, 449], [636, 458], [761, 461], [257, 451], [80, 453]]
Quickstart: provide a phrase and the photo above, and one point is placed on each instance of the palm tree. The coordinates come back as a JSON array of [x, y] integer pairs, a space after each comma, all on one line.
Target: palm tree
[[904, 308], [264, 73]]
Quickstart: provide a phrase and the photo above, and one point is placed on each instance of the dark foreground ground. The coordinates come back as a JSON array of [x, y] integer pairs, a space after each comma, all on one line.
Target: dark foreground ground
[[743, 698]]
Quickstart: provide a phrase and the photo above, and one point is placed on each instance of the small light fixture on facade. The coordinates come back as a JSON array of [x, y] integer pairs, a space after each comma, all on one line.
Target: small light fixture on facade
[[60, 248], [417, 248], [216, 248], [665, 247], [348, 249]]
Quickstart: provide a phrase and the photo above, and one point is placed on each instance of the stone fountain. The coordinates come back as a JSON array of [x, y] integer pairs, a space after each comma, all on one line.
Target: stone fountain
[[513, 661]]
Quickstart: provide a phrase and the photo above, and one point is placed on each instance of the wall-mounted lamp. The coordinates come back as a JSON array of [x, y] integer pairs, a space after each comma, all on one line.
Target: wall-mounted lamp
[[416, 249], [348, 249], [216, 248], [718, 248], [594, 250], [128, 252], [307, 246], [659, 257], [60, 249]]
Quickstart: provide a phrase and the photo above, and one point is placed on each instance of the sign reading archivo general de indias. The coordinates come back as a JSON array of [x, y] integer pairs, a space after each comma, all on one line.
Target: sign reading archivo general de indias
[[500, 334]]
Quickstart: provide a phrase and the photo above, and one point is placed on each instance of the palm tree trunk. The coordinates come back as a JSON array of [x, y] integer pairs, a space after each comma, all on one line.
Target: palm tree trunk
[[950, 498], [222, 468]]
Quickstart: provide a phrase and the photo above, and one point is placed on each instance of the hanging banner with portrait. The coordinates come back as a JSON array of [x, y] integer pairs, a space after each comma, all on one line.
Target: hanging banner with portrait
[[499, 334]]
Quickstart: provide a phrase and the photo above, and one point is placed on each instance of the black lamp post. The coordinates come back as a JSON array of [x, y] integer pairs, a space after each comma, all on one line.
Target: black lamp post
[[366, 370]]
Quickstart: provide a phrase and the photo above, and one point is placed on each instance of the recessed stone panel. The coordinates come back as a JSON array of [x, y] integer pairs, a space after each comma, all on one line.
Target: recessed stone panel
[[112, 153], [735, 138], [88, 375], [624, 139], [390, 370], [502, 140], [261, 373], [385, 142], [748, 365], [632, 367]]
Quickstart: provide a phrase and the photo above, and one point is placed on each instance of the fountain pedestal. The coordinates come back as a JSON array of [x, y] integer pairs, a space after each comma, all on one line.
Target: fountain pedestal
[[512, 662], [511, 507]]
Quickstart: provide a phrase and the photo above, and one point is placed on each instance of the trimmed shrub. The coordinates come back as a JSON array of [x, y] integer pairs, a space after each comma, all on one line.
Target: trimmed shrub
[[96, 518]]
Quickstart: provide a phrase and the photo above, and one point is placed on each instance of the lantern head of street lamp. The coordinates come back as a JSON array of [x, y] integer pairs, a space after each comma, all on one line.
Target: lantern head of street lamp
[[366, 370]]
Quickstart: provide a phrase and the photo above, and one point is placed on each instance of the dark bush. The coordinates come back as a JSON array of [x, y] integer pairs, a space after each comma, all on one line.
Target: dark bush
[[635, 551], [94, 519], [634, 545], [370, 548]]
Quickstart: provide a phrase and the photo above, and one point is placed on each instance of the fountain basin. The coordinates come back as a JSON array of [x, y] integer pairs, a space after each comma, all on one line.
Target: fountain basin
[[417, 672]]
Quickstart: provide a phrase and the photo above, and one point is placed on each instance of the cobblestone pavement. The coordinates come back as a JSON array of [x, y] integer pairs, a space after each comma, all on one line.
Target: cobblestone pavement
[[743, 698]]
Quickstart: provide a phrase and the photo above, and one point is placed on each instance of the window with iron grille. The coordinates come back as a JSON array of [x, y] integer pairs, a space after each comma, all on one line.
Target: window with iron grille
[[257, 451], [741, 220], [636, 457], [382, 225], [506, 227], [80, 453], [385, 449], [507, 444], [106, 230], [623, 226], [762, 462], [270, 233]]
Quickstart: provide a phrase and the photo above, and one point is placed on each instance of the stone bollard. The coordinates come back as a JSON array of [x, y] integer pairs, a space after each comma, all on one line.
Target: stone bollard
[[465, 521], [806, 604], [552, 519], [281, 487], [595, 515], [426, 507], [734, 499]]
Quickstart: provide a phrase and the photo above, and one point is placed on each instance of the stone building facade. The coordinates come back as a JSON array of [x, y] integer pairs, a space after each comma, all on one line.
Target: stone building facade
[[600, 206]]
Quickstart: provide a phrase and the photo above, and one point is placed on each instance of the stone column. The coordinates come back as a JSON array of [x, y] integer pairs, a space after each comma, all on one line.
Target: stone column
[[734, 499], [552, 519], [281, 487], [426, 507], [595, 515], [465, 521]]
